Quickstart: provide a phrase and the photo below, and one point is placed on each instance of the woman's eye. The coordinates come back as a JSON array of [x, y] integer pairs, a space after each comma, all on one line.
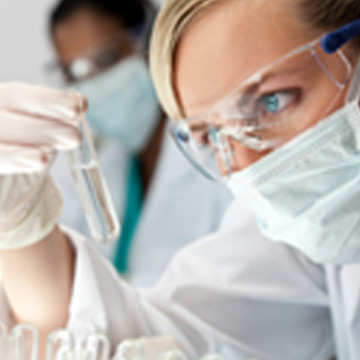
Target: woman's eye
[[274, 103], [203, 137], [212, 136]]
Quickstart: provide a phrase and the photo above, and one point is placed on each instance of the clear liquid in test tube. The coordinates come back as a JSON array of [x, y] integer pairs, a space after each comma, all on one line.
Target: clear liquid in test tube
[[92, 188]]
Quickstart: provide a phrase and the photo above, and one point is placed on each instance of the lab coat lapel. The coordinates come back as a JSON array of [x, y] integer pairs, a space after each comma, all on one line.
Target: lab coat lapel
[[350, 276], [170, 172], [83, 318], [114, 161]]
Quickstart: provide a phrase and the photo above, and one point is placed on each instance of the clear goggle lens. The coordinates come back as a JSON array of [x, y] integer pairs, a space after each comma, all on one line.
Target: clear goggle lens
[[267, 110]]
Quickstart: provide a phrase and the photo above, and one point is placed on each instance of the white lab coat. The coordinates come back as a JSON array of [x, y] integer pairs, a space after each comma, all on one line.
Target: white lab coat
[[233, 292], [177, 196]]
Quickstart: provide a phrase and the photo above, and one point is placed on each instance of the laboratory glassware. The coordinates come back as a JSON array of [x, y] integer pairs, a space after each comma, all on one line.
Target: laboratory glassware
[[92, 188], [23, 343], [130, 350]]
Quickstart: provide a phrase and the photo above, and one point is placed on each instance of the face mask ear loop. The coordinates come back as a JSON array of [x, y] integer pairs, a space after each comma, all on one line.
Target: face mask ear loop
[[354, 88]]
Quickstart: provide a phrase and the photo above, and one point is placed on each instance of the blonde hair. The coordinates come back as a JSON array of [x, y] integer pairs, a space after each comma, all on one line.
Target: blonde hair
[[176, 15]]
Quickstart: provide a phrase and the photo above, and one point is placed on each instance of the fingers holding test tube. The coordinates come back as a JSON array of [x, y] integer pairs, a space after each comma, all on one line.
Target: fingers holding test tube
[[42, 101], [35, 121]]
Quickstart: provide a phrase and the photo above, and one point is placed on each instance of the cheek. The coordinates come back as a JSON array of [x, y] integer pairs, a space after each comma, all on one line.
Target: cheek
[[318, 105]]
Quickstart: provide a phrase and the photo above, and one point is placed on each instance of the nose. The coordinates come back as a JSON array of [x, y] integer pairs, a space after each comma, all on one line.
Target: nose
[[243, 156]]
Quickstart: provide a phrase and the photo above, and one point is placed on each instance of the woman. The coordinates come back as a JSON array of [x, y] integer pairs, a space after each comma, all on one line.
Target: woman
[[240, 295], [101, 49]]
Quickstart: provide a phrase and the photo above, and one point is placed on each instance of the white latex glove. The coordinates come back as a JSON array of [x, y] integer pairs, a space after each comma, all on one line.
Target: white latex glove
[[35, 122]]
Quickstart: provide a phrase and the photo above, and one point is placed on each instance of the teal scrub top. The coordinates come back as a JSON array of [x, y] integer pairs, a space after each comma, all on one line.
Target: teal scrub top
[[133, 208]]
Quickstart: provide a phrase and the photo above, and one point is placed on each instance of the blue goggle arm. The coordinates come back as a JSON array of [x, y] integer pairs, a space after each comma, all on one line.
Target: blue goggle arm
[[333, 41]]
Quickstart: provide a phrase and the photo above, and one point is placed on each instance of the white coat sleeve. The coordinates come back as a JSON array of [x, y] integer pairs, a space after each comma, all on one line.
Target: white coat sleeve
[[233, 292]]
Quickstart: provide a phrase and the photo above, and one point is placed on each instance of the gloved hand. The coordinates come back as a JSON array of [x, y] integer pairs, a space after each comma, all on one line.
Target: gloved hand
[[35, 122]]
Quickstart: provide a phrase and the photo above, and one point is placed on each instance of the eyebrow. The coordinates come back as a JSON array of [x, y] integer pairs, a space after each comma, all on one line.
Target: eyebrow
[[289, 72]]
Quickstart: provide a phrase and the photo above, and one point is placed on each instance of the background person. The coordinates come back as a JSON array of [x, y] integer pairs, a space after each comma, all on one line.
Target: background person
[[101, 47], [242, 295]]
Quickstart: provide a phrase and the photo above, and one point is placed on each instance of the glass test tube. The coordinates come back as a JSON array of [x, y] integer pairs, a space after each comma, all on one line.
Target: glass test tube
[[130, 350], [59, 343], [96, 346], [23, 343], [213, 357], [94, 195], [175, 354]]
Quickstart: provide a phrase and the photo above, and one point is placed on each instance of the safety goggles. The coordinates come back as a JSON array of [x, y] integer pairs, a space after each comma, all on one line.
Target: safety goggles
[[94, 62], [270, 107]]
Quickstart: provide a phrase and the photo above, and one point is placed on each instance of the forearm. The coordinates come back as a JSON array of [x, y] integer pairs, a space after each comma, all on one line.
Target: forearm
[[38, 280]]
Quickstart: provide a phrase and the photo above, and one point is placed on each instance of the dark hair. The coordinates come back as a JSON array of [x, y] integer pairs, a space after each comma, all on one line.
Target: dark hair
[[131, 13], [138, 15]]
